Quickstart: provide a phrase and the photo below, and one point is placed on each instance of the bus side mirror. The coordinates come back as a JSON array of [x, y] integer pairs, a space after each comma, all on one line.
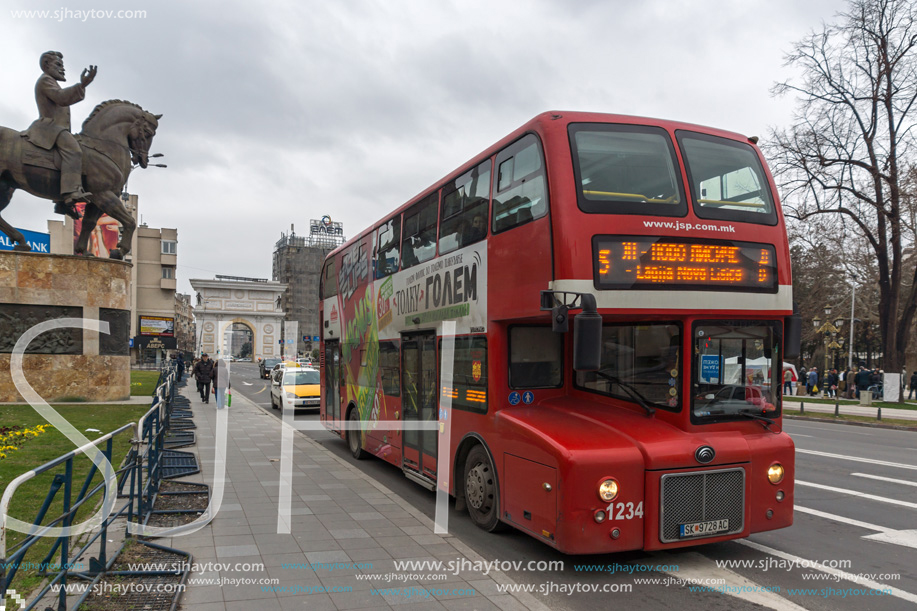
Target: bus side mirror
[[792, 336], [587, 326], [587, 341], [587, 336]]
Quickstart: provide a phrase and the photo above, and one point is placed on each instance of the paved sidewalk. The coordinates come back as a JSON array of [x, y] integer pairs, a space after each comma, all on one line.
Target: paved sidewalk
[[340, 517]]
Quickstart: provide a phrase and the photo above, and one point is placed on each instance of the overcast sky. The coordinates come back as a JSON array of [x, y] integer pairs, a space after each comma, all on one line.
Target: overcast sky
[[280, 112]]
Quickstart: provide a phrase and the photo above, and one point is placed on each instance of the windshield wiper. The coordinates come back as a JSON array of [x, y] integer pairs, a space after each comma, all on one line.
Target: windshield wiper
[[632, 392], [764, 419]]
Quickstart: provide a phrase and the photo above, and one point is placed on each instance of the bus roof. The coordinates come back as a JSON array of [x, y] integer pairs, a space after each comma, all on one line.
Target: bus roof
[[539, 124]]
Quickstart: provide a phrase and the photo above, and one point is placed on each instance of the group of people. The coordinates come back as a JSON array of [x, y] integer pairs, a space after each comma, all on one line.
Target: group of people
[[848, 383], [207, 372]]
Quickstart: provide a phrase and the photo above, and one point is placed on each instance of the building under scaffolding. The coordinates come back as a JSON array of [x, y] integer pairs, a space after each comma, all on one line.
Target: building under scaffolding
[[298, 263]]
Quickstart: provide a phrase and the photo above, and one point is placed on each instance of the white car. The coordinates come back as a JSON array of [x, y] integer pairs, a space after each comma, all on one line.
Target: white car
[[296, 387]]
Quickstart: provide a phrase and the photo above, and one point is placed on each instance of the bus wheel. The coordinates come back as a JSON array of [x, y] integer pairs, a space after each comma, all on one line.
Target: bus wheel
[[353, 436], [481, 493]]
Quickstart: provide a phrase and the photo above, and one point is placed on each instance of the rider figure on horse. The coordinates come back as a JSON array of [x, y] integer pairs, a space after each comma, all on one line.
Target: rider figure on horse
[[52, 129]]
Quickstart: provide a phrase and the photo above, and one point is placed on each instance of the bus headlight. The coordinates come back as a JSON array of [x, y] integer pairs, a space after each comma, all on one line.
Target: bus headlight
[[608, 490], [775, 473]]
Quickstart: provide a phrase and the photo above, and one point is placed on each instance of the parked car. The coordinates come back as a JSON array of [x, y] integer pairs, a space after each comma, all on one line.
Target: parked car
[[266, 366], [296, 387]]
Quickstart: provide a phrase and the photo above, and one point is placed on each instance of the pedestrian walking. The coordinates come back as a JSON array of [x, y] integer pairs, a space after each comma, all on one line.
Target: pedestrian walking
[[812, 382], [788, 382], [912, 387], [181, 366], [221, 384], [203, 373]]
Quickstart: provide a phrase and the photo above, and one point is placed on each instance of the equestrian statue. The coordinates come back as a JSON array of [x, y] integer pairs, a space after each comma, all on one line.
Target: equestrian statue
[[50, 162]]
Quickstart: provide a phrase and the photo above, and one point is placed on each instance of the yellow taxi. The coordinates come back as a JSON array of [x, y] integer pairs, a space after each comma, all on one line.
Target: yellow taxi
[[296, 387]]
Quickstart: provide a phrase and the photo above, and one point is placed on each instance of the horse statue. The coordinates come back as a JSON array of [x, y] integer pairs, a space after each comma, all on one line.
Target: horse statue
[[116, 136]]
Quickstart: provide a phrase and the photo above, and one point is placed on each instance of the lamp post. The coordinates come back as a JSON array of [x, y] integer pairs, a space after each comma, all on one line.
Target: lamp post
[[828, 331], [853, 299]]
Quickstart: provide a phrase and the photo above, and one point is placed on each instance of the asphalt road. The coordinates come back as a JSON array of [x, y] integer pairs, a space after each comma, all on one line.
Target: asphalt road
[[856, 501]]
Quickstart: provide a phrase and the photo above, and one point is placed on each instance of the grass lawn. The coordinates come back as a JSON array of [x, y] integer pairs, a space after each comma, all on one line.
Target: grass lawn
[[46, 447], [143, 383], [883, 404], [831, 418]]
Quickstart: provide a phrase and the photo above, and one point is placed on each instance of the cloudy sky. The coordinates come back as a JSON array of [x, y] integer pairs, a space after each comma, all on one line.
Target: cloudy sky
[[280, 112]]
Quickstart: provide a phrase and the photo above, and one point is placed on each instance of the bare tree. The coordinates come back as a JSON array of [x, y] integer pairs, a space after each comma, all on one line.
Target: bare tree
[[852, 146]]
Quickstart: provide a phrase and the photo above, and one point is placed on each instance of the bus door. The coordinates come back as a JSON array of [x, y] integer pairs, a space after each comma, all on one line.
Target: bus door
[[419, 400], [333, 382]]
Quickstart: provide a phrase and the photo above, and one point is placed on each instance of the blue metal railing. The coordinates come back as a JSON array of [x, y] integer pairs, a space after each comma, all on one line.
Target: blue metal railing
[[141, 470]]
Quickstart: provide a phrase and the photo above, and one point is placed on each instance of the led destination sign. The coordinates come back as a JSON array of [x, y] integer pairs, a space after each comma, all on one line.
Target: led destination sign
[[623, 262]]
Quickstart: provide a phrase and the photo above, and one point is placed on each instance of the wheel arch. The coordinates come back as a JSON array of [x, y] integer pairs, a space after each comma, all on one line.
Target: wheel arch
[[468, 442]]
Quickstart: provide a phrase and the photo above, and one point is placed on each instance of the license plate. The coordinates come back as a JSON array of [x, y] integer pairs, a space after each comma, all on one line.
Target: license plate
[[700, 529]]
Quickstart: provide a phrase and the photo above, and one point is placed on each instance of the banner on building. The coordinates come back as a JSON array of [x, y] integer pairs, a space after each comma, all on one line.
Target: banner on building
[[147, 342], [38, 242], [157, 326]]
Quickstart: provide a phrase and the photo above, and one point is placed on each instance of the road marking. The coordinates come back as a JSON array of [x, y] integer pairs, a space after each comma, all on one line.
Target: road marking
[[886, 479], [858, 459], [799, 435], [842, 519], [862, 495], [875, 585], [248, 383], [693, 566], [906, 538], [263, 388]]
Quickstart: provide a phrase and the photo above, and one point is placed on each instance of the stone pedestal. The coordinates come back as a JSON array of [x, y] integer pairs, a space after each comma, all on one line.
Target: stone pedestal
[[68, 364]]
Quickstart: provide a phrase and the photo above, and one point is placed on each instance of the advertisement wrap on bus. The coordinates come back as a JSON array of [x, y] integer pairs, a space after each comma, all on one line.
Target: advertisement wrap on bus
[[566, 319]]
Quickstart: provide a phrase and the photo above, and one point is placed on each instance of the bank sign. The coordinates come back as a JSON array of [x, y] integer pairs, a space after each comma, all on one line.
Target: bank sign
[[38, 242], [326, 227]]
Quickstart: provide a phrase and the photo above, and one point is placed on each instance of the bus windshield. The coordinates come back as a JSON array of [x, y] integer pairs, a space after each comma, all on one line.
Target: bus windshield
[[727, 180], [734, 369], [626, 169]]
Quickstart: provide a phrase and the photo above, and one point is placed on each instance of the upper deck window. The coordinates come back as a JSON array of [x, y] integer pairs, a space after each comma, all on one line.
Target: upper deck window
[[519, 186], [463, 218], [626, 169], [388, 236], [419, 235], [727, 179]]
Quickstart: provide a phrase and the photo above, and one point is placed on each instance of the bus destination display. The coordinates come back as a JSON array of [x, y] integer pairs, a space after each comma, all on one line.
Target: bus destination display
[[623, 262]]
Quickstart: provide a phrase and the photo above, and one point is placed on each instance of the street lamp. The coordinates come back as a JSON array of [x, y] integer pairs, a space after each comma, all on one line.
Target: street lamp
[[828, 331], [853, 299]]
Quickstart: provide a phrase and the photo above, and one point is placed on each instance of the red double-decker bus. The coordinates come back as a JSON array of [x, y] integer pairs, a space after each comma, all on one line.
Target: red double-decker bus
[[614, 293]]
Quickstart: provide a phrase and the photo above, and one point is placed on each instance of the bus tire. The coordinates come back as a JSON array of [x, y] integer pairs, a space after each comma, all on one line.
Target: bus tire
[[354, 440], [482, 494]]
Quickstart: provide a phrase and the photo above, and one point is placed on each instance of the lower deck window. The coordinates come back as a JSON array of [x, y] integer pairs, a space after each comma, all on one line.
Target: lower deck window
[[639, 363], [469, 374], [535, 357]]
